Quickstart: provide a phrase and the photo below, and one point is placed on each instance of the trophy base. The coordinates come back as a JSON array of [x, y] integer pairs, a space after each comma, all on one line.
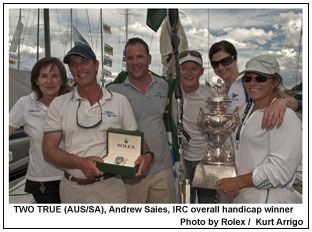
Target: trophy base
[[206, 175]]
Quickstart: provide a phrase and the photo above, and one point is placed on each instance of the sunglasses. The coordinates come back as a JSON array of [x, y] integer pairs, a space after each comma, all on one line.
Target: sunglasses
[[192, 53], [224, 62], [89, 126], [259, 79]]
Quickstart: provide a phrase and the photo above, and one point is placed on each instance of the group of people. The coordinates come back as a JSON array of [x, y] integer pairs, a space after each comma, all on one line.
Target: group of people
[[267, 155], [67, 130]]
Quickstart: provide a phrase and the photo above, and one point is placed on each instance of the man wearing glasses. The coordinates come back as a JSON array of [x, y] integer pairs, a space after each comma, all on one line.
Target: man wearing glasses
[[147, 95], [80, 119]]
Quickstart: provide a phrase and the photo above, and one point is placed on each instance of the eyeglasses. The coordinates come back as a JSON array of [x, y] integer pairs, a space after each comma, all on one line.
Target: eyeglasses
[[92, 126], [192, 53], [224, 62], [259, 79]]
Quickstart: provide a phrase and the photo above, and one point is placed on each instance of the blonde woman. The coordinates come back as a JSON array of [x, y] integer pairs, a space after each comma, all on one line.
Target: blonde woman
[[266, 160]]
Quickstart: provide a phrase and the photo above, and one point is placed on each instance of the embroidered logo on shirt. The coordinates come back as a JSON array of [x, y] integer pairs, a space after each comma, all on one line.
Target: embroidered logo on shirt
[[34, 111], [109, 114], [160, 95], [235, 97]]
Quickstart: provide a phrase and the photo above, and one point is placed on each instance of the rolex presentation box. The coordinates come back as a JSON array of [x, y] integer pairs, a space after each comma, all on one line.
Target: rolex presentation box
[[123, 148]]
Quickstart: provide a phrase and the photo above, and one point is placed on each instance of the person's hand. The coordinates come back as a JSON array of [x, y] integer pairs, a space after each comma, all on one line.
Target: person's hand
[[87, 166], [144, 162], [228, 185], [274, 114]]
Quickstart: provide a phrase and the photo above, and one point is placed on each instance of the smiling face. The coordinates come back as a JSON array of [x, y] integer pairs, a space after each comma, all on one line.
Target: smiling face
[[260, 92], [229, 72], [190, 73], [84, 70], [137, 61], [49, 81]]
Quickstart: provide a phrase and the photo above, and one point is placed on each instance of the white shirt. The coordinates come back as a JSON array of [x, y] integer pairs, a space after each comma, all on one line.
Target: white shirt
[[237, 94], [273, 156], [116, 113], [197, 147], [30, 113]]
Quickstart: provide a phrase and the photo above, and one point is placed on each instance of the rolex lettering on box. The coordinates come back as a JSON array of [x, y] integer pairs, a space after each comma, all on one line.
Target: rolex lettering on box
[[123, 148]]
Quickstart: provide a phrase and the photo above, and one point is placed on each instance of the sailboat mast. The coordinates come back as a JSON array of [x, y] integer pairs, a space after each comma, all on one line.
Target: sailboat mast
[[38, 27], [126, 23], [47, 32], [71, 28], [19, 41], [102, 38], [102, 56], [298, 61]]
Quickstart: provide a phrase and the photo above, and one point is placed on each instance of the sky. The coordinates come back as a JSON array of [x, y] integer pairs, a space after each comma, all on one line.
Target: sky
[[253, 29]]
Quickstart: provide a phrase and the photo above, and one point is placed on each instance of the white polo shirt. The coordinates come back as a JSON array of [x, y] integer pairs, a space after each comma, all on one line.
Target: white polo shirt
[[30, 113], [116, 113]]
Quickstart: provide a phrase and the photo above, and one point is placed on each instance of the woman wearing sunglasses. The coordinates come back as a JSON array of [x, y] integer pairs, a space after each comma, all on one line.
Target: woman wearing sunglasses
[[223, 59], [266, 160]]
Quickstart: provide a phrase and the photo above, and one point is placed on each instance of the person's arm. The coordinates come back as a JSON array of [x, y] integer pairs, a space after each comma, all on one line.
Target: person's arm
[[11, 130], [284, 154], [232, 185], [144, 160], [129, 123], [274, 114], [291, 102], [56, 155], [16, 116]]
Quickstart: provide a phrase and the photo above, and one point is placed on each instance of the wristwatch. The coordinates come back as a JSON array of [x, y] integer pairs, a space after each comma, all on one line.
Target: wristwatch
[[119, 160], [152, 154]]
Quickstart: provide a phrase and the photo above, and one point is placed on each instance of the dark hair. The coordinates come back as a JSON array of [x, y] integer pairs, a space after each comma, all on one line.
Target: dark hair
[[137, 40], [222, 45], [42, 63]]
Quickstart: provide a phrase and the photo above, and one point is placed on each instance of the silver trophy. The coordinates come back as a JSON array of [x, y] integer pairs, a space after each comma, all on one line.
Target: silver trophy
[[219, 162]]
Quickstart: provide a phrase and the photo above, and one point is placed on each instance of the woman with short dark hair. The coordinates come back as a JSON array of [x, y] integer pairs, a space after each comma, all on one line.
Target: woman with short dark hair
[[48, 80], [223, 59]]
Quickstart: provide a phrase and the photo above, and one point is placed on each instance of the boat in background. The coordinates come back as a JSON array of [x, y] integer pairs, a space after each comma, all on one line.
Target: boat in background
[[17, 194], [19, 84]]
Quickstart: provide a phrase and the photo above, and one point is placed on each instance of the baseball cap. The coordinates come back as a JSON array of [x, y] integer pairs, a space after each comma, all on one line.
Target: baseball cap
[[81, 50], [264, 65], [190, 56]]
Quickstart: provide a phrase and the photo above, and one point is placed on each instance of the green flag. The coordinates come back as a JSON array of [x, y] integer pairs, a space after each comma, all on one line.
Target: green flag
[[155, 17]]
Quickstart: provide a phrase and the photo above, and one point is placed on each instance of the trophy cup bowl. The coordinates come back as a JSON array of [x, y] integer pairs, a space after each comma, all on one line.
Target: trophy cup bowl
[[219, 162]]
